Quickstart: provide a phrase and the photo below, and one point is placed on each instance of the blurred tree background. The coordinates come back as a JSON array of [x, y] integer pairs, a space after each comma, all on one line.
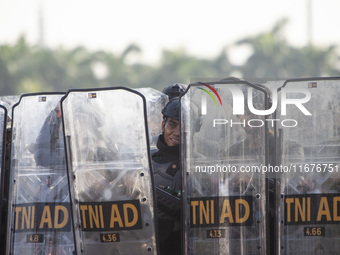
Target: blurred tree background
[[26, 69]]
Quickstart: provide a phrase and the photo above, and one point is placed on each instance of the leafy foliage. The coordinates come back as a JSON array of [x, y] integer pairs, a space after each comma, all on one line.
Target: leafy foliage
[[27, 69]]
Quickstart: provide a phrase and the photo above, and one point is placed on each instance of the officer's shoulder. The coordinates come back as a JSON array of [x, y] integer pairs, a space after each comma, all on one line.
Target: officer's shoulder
[[154, 151], [155, 155]]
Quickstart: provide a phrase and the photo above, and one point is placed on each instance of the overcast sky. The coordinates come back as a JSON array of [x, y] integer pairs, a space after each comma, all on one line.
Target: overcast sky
[[200, 27]]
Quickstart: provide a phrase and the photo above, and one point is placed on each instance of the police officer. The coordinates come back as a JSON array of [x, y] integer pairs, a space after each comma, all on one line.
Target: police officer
[[168, 180], [49, 148]]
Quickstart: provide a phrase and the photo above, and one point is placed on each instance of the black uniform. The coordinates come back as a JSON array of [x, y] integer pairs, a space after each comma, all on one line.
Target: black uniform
[[49, 147], [167, 177]]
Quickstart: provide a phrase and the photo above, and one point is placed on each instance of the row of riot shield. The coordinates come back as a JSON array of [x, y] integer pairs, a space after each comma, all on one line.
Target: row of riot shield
[[261, 167], [80, 177]]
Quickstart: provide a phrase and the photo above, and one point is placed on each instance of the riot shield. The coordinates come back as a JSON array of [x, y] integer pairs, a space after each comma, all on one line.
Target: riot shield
[[3, 200], [309, 145], [224, 144], [39, 215], [155, 101], [109, 169]]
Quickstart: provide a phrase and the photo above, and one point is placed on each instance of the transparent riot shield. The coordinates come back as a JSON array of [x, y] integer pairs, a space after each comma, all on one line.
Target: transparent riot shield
[[3, 200], [109, 167], [155, 101], [223, 148], [309, 145], [39, 215]]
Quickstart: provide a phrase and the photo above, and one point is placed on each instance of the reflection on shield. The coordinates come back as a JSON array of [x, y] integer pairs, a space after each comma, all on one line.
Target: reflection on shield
[[155, 101], [109, 168], [39, 214]]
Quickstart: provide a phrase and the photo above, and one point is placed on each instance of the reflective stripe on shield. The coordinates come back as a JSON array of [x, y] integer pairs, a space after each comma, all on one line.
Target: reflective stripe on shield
[[39, 214], [224, 146], [109, 167], [309, 206]]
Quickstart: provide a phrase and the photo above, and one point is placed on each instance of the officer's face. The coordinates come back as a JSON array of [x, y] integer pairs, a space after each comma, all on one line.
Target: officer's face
[[171, 131]]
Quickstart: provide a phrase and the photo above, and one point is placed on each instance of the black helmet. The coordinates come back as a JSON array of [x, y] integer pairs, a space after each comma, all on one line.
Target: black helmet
[[171, 109], [174, 90]]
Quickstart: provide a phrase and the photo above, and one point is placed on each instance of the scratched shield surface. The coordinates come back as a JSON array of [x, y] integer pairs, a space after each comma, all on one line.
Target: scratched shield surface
[[309, 148], [223, 140], [39, 216], [109, 167]]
